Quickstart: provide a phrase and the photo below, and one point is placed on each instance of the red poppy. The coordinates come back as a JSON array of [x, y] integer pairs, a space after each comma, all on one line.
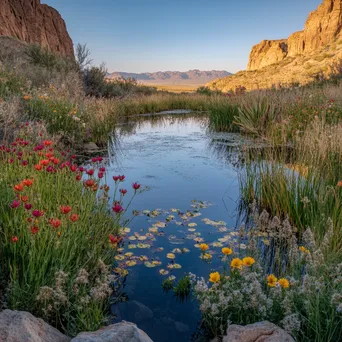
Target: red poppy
[[100, 175], [78, 177], [90, 172], [44, 162], [34, 230], [123, 191], [14, 239], [65, 209], [47, 142], [18, 187], [38, 167], [89, 182], [48, 155], [73, 217], [73, 168], [24, 198], [28, 182], [55, 223]]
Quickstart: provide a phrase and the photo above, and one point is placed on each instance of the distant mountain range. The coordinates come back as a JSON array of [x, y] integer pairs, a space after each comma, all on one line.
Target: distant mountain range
[[197, 77]]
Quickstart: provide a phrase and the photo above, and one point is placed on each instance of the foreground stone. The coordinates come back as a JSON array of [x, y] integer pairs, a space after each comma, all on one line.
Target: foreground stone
[[21, 326], [120, 332], [260, 332]]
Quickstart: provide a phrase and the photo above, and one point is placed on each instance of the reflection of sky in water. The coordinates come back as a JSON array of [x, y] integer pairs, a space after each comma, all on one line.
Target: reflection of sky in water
[[177, 161]]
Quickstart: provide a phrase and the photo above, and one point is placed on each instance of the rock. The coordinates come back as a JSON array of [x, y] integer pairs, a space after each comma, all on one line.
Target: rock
[[267, 52], [90, 147], [261, 332], [33, 22], [21, 326], [274, 62], [120, 332]]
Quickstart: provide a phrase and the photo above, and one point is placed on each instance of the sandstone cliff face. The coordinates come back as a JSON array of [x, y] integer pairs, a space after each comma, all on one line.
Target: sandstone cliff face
[[322, 27], [296, 59], [267, 52], [33, 22]]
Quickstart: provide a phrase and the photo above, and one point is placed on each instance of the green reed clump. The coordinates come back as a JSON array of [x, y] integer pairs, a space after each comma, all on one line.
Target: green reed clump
[[222, 115], [182, 289]]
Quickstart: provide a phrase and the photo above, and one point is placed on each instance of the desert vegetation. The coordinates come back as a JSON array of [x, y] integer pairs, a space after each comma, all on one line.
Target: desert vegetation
[[62, 230]]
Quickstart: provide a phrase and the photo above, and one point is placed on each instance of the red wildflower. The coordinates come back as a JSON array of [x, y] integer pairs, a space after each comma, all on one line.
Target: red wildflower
[[14, 239], [38, 167], [89, 182], [136, 186], [47, 142], [44, 162], [73, 217], [102, 169], [27, 182], [100, 175], [24, 198], [28, 206], [55, 223], [37, 213], [117, 208], [65, 209], [116, 178], [18, 187], [78, 177], [34, 230], [114, 239], [122, 178], [15, 204], [90, 172], [123, 191], [73, 168]]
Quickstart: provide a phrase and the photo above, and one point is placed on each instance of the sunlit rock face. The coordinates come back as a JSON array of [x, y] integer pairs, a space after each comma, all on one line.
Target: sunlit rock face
[[33, 22]]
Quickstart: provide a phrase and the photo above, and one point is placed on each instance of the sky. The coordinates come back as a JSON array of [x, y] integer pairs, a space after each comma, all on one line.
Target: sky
[[160, 35]]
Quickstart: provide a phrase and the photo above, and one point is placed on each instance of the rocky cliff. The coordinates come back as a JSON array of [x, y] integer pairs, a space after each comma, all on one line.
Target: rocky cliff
[[297, 58], [33, 22]]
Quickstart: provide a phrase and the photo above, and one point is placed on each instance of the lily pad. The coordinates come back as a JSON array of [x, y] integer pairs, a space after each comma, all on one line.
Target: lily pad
[[131, 263], [170, 256]]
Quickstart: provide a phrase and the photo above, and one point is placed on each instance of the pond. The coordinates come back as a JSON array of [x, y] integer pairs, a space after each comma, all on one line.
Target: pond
[[190, 194]]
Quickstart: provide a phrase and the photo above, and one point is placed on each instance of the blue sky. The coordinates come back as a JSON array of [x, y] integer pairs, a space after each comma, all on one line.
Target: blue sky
[[159, 35]]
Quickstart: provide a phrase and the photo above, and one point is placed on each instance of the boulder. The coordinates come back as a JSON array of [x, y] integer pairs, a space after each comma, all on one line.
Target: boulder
[[260, 332], [90, 147], [120, 332], [21, 326]]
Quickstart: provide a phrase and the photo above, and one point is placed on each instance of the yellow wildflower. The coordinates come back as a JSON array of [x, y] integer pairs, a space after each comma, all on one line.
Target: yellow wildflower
[[227, 251], [303, 249], [272, 280], [283, 282], [236, 263], [214, 277], [203, 247], [248, 261]]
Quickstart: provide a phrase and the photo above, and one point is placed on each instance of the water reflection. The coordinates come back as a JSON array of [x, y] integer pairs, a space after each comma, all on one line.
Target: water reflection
[[178, 161]]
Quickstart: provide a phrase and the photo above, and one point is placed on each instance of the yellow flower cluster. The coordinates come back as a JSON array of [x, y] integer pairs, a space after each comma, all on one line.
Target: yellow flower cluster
[[272, 281], [238, 263]]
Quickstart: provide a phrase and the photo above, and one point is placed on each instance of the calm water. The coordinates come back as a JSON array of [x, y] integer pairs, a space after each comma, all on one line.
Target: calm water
[[176, 161]]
